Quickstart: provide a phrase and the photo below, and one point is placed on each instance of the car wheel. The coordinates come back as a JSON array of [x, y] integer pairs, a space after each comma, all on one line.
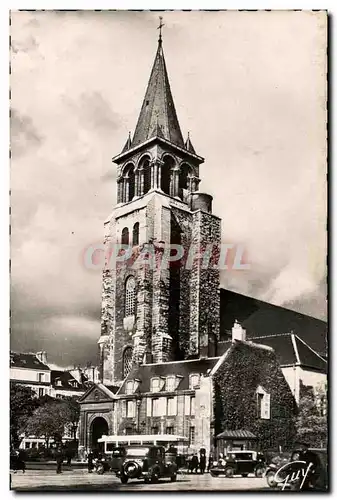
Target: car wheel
[[173, 478], [229, 472], [244, 475], [259, 471], [100, 469], [270, 479], [124, 479], [214, 474]]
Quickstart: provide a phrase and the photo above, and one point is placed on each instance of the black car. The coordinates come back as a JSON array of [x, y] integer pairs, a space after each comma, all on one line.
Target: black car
[[110, 462], [239, 463], [149, 463]]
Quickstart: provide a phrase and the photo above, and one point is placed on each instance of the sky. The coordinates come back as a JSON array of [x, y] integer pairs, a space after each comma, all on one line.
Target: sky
[[251, 89]]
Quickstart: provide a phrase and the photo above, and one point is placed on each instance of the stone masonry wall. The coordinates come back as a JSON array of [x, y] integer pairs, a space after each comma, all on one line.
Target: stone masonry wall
[[204, 285]]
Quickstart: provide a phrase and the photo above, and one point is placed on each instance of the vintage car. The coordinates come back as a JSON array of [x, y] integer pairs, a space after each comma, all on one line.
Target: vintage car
[[294, 475], [239, 463], [110, 462], [147, 462]]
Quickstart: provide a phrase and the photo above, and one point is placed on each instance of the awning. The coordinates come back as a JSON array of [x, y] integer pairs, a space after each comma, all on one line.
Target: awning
[[238, 434]]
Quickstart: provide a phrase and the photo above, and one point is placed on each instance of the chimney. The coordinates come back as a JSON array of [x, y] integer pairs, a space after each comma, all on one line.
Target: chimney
[[238, 333], [42, 356]]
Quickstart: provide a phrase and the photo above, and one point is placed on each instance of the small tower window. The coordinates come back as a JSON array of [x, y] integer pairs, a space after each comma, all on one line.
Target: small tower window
[[130, 296], [135, 234], [125, 236], [127, 361]]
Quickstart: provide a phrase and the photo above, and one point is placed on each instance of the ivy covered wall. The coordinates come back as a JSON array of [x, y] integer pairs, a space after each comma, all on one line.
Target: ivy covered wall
[[247, 367]]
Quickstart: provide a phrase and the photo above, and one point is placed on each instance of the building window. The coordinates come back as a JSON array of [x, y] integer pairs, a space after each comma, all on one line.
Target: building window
[[130, 296], [27, 445], [128, 431], [189, 405], [155, 407], [129, 387], [191, 435], [154, 430], [127, 361], [169, 430], [58, 383], [171, 406], [125, 236], [194, 381], [130, 409], [41, 392], [170, 383], [155, 385], [41, 377], [135, 234], [263, 403]]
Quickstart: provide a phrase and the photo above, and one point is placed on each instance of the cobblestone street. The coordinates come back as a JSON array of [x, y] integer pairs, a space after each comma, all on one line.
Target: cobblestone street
[[48, 480]]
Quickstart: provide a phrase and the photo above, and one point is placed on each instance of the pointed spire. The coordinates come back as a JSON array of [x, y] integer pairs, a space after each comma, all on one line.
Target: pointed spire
[[158, 112], [189, 145], [127, 144]]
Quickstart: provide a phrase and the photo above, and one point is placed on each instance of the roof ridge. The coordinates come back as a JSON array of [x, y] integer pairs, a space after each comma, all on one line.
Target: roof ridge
[[271, 335], [180, 361]]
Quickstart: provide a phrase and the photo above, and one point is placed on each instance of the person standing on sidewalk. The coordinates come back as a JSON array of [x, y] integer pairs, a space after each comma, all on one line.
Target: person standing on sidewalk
[[59, 460], [90, 461]]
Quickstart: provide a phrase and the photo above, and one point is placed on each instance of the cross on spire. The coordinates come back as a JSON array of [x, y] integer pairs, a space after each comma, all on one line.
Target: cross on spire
[[159, 28]]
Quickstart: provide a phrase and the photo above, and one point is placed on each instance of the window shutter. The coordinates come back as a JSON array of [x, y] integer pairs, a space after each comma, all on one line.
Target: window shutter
[[148, 407], [187, 405], [174, 405], [162, 407], [265, 408], [123, 409]]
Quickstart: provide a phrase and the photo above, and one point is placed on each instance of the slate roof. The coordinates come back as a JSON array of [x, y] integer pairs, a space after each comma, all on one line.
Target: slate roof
[[66, 377], [289, 349], [259, 319], [145, 372], [26, 360], [237, 434], [158, 108]]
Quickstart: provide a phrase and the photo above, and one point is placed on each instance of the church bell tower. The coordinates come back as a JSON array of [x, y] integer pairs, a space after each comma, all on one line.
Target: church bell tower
[[155, 311]]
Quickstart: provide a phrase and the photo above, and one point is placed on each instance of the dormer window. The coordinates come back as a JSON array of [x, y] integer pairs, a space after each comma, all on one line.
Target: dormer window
[[170, 383], [155, 384], [58, 382], [194, 381], [129, 389]]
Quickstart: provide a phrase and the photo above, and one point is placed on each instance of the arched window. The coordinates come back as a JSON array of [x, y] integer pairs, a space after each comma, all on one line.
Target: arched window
[[127, 361], [183, 177], [125, 236], [166, 172], [147, 176], [129, 182], [130, 296], [135, 234]]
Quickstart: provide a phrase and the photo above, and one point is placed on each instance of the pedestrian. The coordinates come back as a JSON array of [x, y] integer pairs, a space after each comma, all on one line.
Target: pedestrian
[[90, 461], [210, 462], [195, 463], [202, 462], [311, 459], [59, 460]]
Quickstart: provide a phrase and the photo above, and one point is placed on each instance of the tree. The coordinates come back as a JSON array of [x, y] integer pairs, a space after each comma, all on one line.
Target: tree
[[311, 423], [22, 405], [71, 413], [47, 421]]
